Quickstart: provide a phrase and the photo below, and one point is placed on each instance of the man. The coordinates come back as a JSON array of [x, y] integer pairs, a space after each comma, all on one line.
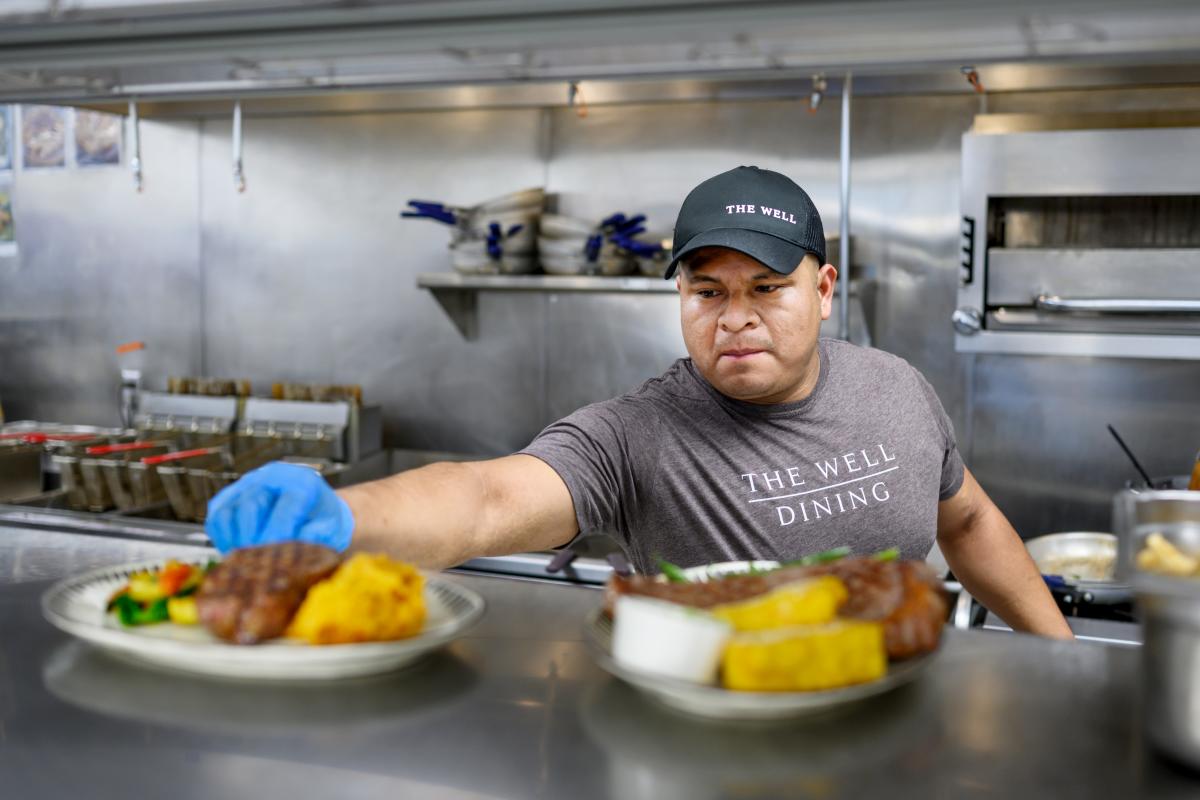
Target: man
[[768, 443]]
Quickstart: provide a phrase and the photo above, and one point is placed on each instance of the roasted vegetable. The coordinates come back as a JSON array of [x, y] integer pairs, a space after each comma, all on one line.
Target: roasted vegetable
[[822, 557], [172, 577], [143, 587], [131, 612], [182, 610], [153, 596], [673, 573]]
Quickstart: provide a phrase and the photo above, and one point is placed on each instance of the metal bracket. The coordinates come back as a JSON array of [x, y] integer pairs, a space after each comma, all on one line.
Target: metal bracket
[[462, 308]]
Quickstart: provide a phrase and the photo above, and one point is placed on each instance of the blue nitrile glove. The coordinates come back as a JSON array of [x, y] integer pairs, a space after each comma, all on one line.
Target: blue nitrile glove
[[279, 502]]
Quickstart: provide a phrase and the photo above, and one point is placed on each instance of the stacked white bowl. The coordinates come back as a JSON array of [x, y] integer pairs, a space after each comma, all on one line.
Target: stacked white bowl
[[518, 212], [562, 247]]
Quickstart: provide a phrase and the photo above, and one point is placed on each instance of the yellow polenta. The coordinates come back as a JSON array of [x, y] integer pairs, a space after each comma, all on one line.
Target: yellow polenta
[[369, 598], [812, 601], [805, 657]]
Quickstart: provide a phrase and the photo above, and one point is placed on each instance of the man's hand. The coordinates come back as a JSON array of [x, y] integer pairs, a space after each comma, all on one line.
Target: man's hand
[[991, 561], [278, 503]]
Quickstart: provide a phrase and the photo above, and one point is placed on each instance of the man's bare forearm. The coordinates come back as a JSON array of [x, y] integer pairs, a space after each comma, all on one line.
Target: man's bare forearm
[[992, 563], [428, 516], [444, 514]]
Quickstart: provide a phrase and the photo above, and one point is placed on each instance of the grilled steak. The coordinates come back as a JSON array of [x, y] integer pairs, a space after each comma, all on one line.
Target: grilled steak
[[915, 625], [253, 593], [905, 595], [700, 594]]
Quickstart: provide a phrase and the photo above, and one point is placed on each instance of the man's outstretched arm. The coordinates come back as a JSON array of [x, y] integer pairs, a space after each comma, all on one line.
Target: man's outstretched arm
[[444, 514], [436, 516]]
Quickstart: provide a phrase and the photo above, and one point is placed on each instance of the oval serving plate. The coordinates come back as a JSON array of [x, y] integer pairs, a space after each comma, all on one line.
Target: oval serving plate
[[77, 606], [716, 703], [713, 702]]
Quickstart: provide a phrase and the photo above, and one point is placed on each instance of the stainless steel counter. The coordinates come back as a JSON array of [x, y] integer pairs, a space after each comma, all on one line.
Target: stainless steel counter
[[519, 710]]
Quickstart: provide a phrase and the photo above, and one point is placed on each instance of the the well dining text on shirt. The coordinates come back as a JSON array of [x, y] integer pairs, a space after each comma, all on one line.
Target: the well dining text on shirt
[[848, 482]]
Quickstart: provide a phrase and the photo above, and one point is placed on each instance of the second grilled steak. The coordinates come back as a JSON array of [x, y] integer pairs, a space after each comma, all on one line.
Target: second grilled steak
[[253, 593], [906, 596]]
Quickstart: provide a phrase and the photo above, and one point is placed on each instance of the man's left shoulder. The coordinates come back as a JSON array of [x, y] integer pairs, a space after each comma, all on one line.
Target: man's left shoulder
[[867, 362]]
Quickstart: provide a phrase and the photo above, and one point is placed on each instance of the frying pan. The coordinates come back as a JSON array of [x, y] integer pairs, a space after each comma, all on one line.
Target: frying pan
[[1071, 592], [1079, 544]]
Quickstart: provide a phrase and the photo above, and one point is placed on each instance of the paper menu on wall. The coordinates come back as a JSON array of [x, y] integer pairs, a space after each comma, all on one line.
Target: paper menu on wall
[[6, 138], [8, 237], [43, 136], [97, 138]]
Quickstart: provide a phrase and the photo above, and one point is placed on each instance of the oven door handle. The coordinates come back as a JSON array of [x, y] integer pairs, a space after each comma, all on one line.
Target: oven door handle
[[1045, 302]]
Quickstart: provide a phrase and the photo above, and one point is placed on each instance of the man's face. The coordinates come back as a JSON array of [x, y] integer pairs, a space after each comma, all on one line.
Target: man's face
[[750, 331]]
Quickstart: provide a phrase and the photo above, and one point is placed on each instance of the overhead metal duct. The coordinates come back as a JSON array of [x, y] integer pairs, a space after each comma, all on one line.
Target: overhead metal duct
[[80, 50]]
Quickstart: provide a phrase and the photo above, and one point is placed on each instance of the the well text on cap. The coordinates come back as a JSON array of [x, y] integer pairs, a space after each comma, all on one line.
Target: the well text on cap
[[766, 211]]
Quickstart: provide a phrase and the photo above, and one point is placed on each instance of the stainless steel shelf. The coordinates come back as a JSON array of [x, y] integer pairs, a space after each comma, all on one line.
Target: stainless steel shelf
[[457, 293], [543, 283]]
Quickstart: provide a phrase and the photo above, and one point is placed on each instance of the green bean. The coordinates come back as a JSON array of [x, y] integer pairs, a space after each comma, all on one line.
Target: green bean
[[674, 574]]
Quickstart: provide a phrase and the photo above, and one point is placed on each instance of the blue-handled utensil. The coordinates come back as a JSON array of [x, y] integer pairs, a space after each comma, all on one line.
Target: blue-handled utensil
[[423, 209]]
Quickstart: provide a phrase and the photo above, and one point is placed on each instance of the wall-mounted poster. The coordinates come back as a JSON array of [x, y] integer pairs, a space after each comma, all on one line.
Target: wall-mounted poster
[[97, 138], [8, 235], [43, 136], [6, 137]]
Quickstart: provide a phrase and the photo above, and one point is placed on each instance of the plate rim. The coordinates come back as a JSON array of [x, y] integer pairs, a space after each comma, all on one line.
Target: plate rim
[[131, 643]]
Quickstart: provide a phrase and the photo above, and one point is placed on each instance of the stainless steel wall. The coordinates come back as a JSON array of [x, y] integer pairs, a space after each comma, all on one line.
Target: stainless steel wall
[[309, 275], [98, 265]]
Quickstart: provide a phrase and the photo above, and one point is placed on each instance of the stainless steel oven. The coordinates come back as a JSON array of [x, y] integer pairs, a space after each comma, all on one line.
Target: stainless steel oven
[[1081, 242]]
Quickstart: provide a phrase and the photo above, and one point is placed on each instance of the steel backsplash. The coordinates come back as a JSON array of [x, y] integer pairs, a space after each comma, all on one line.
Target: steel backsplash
[[309, 276]]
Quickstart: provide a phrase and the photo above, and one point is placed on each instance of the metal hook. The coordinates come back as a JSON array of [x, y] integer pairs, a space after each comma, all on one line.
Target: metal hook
[[819, 85], [575, 99], [239, 177], [135, 158], [972, 76]]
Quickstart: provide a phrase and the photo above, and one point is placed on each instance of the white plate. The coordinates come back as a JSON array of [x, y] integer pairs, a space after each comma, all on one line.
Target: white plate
[[716, 703], [77, 606]]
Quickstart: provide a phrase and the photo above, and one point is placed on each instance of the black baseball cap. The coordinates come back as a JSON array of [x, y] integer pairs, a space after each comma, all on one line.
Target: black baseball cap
[[755, 211]]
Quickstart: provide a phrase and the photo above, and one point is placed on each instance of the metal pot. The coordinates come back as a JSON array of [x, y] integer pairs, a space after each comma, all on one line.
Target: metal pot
[[1050, 550], [1170, 611], [1166, 482]]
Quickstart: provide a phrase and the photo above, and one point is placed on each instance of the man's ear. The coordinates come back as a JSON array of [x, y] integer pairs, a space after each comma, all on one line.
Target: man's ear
[[826, 281]]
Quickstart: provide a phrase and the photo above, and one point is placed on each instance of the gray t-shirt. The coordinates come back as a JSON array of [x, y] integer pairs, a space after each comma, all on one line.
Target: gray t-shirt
[[678, 471]]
